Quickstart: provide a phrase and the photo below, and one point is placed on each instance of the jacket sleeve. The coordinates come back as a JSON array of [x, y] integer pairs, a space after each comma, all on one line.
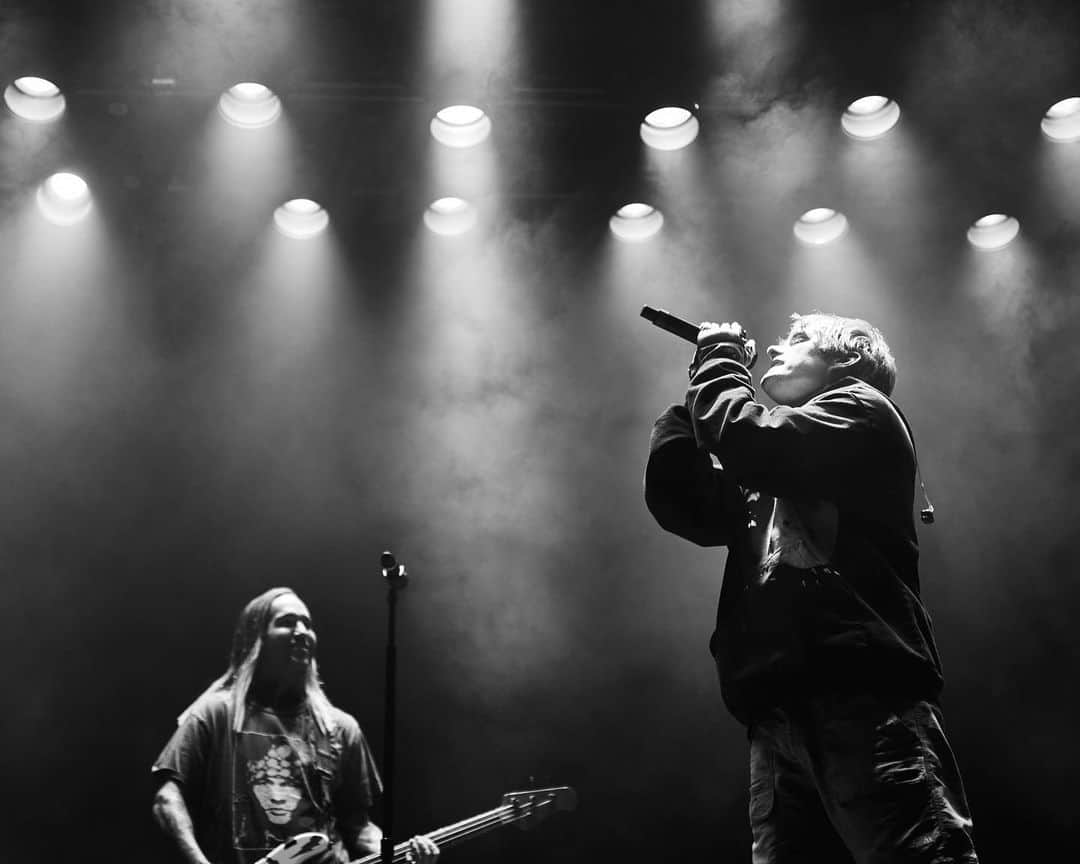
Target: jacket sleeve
[[684, 491], [822, 449]]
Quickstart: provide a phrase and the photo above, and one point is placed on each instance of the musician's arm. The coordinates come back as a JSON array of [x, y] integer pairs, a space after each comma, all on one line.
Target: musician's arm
[[685, 492], [364, 837], [171, 813], [356, 796], [361, 836]]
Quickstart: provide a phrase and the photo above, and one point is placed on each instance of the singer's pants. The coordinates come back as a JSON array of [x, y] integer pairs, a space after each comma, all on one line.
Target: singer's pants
[[845, 778]]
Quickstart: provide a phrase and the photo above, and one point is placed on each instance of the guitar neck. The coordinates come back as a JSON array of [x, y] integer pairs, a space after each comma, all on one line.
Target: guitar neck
[[450, 834]]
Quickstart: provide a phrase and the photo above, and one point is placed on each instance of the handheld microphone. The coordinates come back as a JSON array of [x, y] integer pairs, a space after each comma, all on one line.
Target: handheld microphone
[[686, 330], [672, 323]]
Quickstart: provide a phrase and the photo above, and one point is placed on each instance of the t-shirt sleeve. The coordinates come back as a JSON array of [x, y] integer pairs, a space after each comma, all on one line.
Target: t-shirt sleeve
[[186, 756], [361, 784]]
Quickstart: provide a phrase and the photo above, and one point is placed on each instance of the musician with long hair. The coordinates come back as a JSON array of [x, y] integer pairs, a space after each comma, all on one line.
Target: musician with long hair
[[262, 755]]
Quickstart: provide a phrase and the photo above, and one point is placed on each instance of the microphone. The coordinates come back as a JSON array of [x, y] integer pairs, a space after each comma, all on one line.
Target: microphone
[[686, 330], [393, 572], [672, 323]]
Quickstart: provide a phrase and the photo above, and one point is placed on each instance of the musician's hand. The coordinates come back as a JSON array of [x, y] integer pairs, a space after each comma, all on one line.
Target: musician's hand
[[422, 850], [726, 340]]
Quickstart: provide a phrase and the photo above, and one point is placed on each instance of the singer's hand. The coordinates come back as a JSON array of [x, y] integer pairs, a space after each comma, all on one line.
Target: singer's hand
[[726, 340]]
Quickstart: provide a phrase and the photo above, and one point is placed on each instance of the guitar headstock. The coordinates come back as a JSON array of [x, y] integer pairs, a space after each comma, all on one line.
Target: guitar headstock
[[531, 806]]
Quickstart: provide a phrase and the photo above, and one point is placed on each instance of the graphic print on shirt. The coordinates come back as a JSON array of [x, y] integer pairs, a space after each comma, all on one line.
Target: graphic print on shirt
[[801, 534], [273, 779]]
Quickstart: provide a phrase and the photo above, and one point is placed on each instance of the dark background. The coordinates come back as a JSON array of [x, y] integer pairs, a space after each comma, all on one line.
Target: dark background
[[194, 409]]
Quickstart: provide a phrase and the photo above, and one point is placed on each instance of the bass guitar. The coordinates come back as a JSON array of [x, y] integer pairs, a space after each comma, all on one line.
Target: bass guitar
[[525, 809]]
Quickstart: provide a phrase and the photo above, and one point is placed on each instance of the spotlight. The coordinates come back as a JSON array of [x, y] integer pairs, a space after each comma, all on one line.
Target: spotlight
[[820, 226], [249, 105], [34, 99], [450, 216], [669, 128], [636, 222], [460, 126], [301, 218], [870, 117], [995, 231], [1062, 121], [64, 199]]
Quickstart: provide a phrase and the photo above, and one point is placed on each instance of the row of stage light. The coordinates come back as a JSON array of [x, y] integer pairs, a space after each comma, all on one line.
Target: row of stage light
[[65, 199]]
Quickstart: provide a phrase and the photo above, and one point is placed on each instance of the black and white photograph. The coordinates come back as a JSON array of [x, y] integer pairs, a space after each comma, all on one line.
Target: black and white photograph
[[478, 431]]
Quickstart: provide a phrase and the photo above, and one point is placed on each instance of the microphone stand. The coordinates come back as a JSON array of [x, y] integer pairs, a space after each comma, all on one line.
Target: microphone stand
[[396, 579]]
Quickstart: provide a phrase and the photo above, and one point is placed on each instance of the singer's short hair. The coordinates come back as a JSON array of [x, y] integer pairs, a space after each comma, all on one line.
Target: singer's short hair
[[838, 338]]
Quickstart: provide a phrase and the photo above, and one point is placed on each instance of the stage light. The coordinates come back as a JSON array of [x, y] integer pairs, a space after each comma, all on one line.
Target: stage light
[[636, 222], [249, 105], [870, 117], [34, 99], [301, 218], [450, 216], [460, 126], [992, 232], [1062, 121], [64, 199], [820, 225], [669, 128]]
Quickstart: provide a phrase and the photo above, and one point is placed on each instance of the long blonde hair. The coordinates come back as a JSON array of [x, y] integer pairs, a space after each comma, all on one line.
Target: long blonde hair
[[243, 660]]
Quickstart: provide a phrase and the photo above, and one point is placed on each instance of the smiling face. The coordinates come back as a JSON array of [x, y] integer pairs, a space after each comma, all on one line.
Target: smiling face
[[798, 369], [288, 645]]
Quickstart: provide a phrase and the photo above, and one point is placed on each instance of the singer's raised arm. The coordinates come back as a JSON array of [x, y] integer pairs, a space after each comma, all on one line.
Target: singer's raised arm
[[830, 447], [684, 491]]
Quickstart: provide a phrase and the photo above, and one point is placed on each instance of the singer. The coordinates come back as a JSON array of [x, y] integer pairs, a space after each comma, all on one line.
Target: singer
[[823, 647], [262, 755]]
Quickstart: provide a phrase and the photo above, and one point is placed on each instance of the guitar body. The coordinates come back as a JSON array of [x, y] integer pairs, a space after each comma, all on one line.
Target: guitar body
[[296, 850]]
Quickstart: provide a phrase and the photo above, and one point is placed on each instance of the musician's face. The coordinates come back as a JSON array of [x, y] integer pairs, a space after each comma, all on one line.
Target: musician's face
[[289, 642], [799, 370]]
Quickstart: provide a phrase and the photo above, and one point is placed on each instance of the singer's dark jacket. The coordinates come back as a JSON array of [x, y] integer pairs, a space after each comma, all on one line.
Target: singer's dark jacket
[[831, 602]]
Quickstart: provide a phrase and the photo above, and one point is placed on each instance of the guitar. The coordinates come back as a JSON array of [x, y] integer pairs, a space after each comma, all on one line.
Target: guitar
[[526, 808]]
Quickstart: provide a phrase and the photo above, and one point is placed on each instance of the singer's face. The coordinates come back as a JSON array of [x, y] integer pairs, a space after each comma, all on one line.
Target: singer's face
[[798, 371], [289, 642]]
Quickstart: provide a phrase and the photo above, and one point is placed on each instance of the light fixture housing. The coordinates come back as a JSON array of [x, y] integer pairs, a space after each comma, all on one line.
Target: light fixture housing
[[64, 199], [460, 126], [992, 232], [669, 128], [1061, 123], [636, 222], [820, 226], [301, 218], [249, 105], [450, 217], [870, 117], [34, 99]]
